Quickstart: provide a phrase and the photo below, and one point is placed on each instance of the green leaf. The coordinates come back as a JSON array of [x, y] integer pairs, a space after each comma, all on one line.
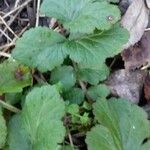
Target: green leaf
[[100, 138], [72, 109], [13, 98], [146, 146], [3, 130], [114, 1], [93, 76], [64, 75], [74, 95], [82, 16], [14, 77], [40, 47], [41, 120], [98, 91], [127, 124], [86, 105], [85, 120], [97, 46], [17, 137], [46, 49]]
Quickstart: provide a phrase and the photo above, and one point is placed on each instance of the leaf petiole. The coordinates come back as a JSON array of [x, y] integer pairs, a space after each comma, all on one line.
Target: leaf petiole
[[9, 107]]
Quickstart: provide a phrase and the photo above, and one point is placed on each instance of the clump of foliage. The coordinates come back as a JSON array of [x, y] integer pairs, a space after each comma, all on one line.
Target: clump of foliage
[[72, 93]]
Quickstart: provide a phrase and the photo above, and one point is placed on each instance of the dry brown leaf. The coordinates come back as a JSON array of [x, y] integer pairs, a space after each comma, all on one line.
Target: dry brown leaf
[[124, 4], [138, 55], [132, 58], [135, 21], [147, 88], [126, 84]]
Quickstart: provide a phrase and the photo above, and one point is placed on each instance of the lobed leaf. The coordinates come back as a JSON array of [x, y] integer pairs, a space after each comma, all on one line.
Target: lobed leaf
[[127, 125], [40, 120], [98, 91], [46, 49], [40, 47], [82, 16], [91, 51], [93, 76], [100, 138]]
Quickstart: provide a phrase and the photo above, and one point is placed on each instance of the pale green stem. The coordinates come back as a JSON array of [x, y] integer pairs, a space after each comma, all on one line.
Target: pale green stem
[[9, 107]]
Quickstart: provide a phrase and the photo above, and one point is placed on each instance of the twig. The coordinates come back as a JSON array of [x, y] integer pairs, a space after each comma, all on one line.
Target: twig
[[3, 33], [57, 29], [12, 20], [145, 67], [7, 45], [14, 40], [83, 87], [53, 22], [38, 13], [6, 3], [5, 54], [71, 142], [81, 83], [23, 30], [39, 80], [112, 63], [17, 8], [78, 135], [148, 29], [16, 3], [8, 27], [9, 107]]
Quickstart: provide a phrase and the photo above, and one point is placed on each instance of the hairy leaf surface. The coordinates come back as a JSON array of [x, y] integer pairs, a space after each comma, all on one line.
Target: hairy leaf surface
[[82, 16], [46, 49], [100, 138], [40, 48], [91, 51], [17, 137], [98, 91], [126, 124], [75, 95], [93, 76], [3, 130], [39, 125], [65, 75]]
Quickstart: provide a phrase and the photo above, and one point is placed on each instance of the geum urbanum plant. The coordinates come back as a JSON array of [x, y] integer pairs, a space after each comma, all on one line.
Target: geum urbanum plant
[[72, 58], [94, 35]]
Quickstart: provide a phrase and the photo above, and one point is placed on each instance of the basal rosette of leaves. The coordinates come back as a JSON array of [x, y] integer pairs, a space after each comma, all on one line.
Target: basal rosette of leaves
[[74, 64], [94, 35]]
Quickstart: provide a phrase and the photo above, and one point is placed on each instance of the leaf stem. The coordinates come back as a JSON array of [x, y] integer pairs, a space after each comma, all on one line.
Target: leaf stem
[[82, 84], [71, 142], [9, 107]]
